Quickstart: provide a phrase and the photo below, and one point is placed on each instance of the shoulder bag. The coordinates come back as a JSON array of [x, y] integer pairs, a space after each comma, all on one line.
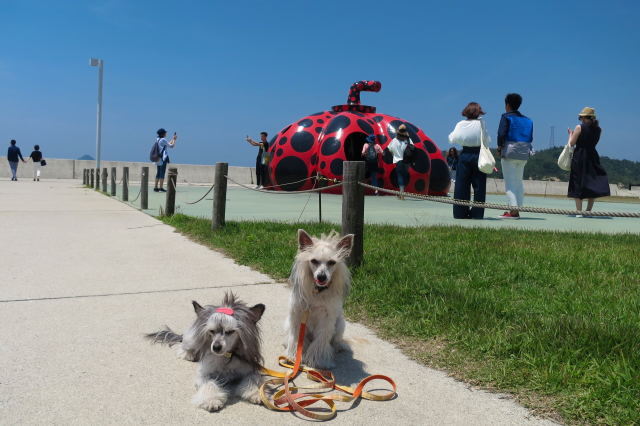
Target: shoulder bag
[[564, 161], [486, 162]]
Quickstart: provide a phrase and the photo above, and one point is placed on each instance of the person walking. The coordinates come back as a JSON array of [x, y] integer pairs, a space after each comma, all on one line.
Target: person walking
[[261, 169], [471, 133], [13, 156], [401, 159], [452, 161], [371, 152], [587, 178], [515, 136], [36, 158], [161, 164]]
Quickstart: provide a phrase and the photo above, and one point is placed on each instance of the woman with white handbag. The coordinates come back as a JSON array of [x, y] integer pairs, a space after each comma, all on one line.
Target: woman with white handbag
[[471, 133]]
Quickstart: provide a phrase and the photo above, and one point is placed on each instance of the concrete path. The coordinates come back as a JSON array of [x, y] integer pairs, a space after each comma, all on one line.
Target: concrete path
[[84, 276]]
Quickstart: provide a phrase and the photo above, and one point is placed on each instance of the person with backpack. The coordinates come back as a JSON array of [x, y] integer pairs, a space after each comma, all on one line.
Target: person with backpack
[[371, 151], [515, 135], [161, 158], [401, 148]]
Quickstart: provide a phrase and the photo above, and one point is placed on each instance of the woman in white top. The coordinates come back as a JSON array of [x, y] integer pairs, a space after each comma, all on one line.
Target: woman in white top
[[397, 148], [163, 144], [470, 133]]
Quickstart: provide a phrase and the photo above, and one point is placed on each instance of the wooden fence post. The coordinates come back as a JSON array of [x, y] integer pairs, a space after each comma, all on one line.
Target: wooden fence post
[[144, 188], [97, 187], [170, 204], [113, 181], [92, 178], [125, 184], [353, 208], [219, 195], [104, 180], [84, 176]]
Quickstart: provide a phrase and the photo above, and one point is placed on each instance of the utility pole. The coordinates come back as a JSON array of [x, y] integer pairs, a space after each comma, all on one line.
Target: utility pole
[[98, 63]]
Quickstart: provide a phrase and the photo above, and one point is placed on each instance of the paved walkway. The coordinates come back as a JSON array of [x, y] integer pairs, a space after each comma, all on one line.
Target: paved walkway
[[84, 276]]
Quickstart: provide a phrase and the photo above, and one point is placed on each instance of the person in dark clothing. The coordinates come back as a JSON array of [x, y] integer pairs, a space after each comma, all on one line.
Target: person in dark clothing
[[587, 178], [261, 169], [13, 154], [36, 157], [452, 162]]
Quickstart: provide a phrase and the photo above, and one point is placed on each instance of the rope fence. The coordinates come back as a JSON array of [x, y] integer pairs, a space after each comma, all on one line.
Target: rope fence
[[305, 191]]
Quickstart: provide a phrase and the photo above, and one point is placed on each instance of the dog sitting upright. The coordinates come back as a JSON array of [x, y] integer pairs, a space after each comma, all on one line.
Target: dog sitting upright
[[226, 341], [320, 282]]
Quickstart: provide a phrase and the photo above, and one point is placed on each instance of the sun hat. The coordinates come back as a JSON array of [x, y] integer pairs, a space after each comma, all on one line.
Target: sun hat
[[161, 132], [402, 130], [587, 112], [371, 139]]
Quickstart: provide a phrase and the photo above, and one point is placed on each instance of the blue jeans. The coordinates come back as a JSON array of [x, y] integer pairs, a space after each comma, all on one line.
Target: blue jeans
[[467, 176], [402, 172], [14, 168], [161, 171]]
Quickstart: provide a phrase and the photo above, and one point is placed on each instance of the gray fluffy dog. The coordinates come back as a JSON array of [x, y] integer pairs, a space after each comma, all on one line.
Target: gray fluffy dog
[[225, 340]]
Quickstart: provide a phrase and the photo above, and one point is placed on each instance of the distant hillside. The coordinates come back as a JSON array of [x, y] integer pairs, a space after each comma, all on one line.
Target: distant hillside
[[86, 157], [544, 166]]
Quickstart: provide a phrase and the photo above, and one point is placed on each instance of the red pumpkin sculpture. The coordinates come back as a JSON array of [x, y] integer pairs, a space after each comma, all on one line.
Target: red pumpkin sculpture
[[320, 142]]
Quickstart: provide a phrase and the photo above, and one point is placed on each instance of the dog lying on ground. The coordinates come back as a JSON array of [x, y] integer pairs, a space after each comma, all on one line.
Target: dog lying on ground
[[225, 340], [320, 282]]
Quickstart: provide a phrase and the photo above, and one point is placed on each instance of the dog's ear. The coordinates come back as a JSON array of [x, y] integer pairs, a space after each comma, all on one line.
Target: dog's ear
[[257, 311], [196, 307], [304, 240], [345, 245]]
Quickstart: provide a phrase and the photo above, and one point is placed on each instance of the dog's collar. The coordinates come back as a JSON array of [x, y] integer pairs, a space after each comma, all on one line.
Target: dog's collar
[[319, 289]]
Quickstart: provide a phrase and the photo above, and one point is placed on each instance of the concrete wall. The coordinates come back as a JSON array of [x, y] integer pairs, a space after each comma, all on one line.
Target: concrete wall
[[72, 169]]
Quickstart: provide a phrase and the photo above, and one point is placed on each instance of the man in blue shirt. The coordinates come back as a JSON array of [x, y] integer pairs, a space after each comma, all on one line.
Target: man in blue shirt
[[13, 154], [515, 135]]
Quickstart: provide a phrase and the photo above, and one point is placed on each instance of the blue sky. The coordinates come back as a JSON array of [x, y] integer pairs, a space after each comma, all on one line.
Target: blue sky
[[216, 71]]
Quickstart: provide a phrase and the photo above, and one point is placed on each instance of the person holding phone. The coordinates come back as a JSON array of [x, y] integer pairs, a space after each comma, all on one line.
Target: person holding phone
[[161, 165], [261, 169]]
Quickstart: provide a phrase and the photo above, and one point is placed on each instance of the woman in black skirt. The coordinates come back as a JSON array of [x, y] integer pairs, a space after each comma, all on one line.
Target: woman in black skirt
[[587, 178]]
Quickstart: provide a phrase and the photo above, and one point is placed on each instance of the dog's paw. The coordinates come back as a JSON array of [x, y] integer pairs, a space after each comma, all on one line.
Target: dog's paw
[[252, 396], [210, 397], [185, 355]]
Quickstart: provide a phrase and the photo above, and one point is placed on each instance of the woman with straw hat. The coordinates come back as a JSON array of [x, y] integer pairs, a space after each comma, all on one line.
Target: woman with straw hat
[[587, 178], [401, 148]]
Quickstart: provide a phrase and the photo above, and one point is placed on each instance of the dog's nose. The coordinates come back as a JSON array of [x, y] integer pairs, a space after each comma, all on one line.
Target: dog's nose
[[322, 277], [216, 347]]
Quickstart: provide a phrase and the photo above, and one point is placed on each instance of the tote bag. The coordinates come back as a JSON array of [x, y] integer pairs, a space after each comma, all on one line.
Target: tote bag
[[486, 162], [564, 161]]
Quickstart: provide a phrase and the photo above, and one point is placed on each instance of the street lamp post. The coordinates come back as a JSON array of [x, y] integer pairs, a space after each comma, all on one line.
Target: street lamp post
[[98, 63]]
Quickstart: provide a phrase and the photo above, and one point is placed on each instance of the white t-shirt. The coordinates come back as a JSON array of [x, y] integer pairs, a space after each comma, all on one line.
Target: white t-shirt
[[397, 147], [468, 132], [163, 144]]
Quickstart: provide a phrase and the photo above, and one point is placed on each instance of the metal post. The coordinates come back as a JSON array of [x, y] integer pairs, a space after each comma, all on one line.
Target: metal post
[[104, 180], [170, 203], [92, 178], [84, 176], [97, 179], [100, 64], [353, 208], [219, 195], [144, 188], [125, 184], [113, 181]]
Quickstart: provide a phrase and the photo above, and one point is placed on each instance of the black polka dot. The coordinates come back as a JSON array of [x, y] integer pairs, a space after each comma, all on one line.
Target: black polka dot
[[382, 139], [282, 141], [419, 185], [387, 156], [283, 131], [440, 176], [327, 116], [336, 167], [339, 122], [430, 146], [366, 127], [305, 123], [359, 114], [323, 165], [320, 120], [330, 146], [422, 163], [289, 170], [279, 152], [314, 159], [378, 119], [411, 127], [318, 129], [302, 141]]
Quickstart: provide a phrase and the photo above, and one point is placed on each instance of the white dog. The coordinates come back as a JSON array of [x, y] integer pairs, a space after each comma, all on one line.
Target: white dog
[[226, 341], [320, 282]]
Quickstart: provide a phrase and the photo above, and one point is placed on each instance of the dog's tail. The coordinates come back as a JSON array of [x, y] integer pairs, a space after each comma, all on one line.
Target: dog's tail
[[164, 337]]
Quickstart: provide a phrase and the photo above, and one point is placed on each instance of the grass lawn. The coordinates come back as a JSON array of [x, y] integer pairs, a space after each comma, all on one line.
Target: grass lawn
[[553, 318]]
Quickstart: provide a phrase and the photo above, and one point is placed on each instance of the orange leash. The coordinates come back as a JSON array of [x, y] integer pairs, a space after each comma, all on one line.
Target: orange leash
[[292, 398]]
